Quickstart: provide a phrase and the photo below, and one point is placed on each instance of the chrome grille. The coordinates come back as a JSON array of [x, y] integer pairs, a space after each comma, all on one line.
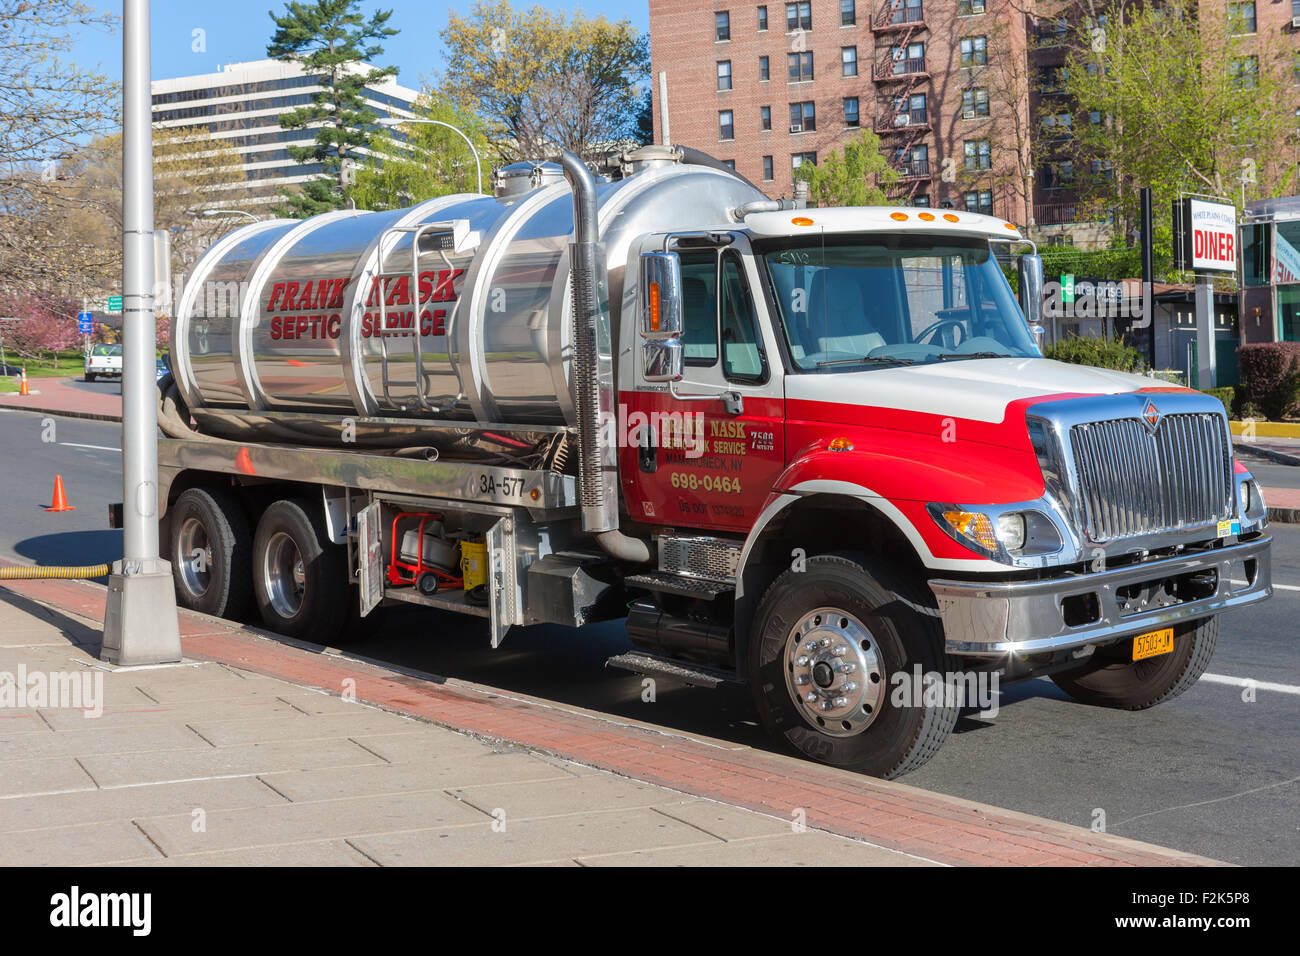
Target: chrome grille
[[1131, 482]]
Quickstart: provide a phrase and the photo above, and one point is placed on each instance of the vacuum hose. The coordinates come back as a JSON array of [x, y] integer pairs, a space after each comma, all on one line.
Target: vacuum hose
[[24, 573]]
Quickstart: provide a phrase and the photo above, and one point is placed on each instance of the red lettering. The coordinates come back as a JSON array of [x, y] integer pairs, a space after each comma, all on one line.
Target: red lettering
[[439, 322], [290, 295], [276, 290], [336, 294], [400, 293], [426, 286], [301, 326], [332, 326], [275, 327], [445, 292]]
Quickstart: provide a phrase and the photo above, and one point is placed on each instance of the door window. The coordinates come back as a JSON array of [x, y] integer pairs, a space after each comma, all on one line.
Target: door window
[[742, 351]]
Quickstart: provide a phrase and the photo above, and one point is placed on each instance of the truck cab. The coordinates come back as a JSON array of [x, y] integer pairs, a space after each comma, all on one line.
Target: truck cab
[[103, 361]]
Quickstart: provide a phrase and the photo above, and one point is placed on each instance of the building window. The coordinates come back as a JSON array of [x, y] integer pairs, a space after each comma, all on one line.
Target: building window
[[726, 125], [1102, 169], [906, 11], [798, 16], [730, 164], [910, 110], [922, 201], [799, 66], [803, 117], [848, 13], [1094, 117], [851, 111], [722, 26], [1244, 72], [765, 118], [908, 59], [913, 163], [978, 154], [764, 70], [979, 200], [974, 51], [1241, 18], [798, 159], [968, 8], [762, 19], [849, 60], [767, 169], [724, 74], [974, 102]]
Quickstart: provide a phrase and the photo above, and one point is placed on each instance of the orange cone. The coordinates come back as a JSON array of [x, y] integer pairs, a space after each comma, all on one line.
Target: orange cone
[[22, 384], [60, 502]]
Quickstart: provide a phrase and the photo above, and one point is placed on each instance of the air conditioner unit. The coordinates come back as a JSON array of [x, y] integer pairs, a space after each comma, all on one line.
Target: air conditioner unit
[[1295, 23], [796, 127]]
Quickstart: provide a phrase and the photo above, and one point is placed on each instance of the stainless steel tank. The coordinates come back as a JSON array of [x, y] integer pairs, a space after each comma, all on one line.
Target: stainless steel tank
[[295, 330]]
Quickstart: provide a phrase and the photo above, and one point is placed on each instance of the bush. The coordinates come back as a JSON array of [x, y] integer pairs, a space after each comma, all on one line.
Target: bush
[[1225, 395], [1098, 352], [1270, 377]]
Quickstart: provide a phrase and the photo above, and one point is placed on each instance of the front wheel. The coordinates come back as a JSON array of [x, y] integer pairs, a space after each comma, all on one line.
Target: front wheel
[[300, 578], [1107, 681], [831, 645]]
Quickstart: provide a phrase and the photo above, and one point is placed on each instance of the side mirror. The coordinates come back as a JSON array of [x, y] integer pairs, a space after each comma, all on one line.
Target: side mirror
[[663, 360], [661, 316], [1029, 271]]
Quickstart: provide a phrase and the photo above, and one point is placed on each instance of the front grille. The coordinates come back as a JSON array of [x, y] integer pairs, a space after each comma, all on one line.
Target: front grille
[[1132, 482]]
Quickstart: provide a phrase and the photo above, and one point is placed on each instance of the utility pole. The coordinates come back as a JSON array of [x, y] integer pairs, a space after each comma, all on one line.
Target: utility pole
[[1148, 277], [140, 622]]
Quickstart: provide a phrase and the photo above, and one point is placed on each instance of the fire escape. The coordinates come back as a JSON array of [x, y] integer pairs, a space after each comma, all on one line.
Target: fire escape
[[897, 24]]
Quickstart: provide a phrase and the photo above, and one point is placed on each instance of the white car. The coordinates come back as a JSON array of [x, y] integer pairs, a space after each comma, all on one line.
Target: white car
[[103, 360]]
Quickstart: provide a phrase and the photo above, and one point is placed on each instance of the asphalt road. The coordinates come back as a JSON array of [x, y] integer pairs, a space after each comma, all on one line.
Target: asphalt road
[[1210, 772]]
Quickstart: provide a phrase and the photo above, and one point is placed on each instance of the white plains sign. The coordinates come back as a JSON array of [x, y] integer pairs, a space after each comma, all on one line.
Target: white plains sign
[[1209, 236]]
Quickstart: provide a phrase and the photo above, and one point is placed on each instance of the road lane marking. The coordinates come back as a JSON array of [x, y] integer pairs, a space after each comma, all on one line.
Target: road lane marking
[[73, 444], [1249, 682]]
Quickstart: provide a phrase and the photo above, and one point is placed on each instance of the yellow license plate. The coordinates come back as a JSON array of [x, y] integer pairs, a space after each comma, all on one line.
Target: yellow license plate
[[1153, 644]]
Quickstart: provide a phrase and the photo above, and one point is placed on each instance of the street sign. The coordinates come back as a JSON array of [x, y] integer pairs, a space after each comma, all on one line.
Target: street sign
[[85, 323], [114, 304], [1205, 236], [1067, 288]]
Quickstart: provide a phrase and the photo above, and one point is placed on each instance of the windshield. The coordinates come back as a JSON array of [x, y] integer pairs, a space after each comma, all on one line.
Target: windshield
[[849, 301], [106, 350]]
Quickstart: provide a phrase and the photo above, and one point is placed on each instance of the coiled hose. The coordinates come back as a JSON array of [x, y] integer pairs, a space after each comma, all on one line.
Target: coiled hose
[[24, 573]]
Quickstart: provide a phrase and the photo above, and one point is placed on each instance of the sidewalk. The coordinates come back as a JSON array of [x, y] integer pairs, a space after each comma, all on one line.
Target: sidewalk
[[55, 396], [250, 754]]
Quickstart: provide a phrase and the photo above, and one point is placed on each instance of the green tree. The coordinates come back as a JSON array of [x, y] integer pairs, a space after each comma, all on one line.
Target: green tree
[[856, 176], [547, 80], [1167, 98], [428, 161], [333, 41]]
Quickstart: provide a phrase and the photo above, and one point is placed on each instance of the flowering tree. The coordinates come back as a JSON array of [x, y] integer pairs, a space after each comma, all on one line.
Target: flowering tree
[[45, 323]]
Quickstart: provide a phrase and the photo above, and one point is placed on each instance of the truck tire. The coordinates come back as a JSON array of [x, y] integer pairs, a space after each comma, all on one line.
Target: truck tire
[[861, 615], [1137, 685], [211, 552], [89, 377], [300, 578]]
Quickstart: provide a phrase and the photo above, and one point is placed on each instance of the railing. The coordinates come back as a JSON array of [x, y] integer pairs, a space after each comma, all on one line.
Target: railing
[[903, 119], [894, 14], [1055, 213], [889, 68], [913, 169]]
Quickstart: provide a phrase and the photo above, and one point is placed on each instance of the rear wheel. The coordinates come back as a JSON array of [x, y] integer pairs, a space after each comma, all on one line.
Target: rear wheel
[[211, 549], [89, 376], [1137, 685], [299, 577], [826, 645]]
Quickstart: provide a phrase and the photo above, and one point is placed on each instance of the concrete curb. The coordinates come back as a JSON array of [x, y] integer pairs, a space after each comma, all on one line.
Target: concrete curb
[[1282, 458], [61, 412]]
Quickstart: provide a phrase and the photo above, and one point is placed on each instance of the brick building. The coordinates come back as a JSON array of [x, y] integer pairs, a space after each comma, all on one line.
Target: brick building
[[964, 94]]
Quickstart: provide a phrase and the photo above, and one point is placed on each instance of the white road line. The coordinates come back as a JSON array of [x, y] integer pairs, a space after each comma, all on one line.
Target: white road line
[[1247, 682], [73, 444]]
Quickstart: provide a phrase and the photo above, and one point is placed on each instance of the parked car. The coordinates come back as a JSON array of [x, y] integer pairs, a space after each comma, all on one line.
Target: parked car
[[162, 368], [103, 361]]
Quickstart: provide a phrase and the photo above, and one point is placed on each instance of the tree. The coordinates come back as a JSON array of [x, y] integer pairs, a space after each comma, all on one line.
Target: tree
[[47, 323], [331, 40], [547, 80], [47, 107], [1177, 101], [645, 120], [429, 161], [856, 176]]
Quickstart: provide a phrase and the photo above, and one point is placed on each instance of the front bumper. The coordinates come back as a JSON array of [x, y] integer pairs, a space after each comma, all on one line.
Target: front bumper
[[983, 619]]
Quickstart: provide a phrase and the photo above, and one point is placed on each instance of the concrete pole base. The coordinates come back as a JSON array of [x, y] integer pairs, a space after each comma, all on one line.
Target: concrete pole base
[[140, 621]]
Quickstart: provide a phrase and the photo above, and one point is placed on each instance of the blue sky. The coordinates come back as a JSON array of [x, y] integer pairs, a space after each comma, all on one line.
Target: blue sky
[[237, 30]]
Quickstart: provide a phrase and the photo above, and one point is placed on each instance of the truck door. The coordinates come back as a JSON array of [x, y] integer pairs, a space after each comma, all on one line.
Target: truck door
[[705, 452]]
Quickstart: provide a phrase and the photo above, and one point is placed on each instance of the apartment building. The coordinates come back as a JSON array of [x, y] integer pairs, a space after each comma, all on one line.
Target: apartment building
[[241, 105]]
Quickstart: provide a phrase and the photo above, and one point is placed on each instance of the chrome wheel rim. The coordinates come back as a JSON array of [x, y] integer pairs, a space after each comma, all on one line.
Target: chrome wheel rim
[[834, 673], [283, 575], [194, 557]]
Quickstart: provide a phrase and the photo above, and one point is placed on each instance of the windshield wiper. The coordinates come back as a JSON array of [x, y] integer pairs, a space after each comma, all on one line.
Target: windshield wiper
[[869, 360], [973, 355]]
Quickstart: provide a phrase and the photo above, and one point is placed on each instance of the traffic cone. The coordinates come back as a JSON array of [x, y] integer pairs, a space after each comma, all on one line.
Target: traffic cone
[[22, 384], [60, 502]]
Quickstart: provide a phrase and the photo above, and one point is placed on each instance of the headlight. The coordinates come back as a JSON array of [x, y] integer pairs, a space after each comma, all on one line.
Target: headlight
[[1243, 493], [1011, 530]]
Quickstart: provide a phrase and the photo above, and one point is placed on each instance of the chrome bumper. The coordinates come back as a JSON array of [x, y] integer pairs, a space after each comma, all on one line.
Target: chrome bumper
[[994, 619]]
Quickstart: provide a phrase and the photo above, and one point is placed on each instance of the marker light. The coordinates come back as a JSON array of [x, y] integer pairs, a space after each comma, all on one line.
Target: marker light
[[654, 306], [973, 526], [927, 216], [1007, 225], [801, 221], [900, 216], [840, 444], [950, 217]]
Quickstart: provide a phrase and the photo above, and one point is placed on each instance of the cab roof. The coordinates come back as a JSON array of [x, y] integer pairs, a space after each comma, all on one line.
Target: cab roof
[[792, 222]]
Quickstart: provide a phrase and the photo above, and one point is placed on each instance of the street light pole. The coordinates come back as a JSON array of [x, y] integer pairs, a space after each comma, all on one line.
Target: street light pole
[[478, 163], [140, 622]]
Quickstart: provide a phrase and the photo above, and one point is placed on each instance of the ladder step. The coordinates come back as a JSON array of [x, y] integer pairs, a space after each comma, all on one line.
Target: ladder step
[[651, 665], [665, 582]]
